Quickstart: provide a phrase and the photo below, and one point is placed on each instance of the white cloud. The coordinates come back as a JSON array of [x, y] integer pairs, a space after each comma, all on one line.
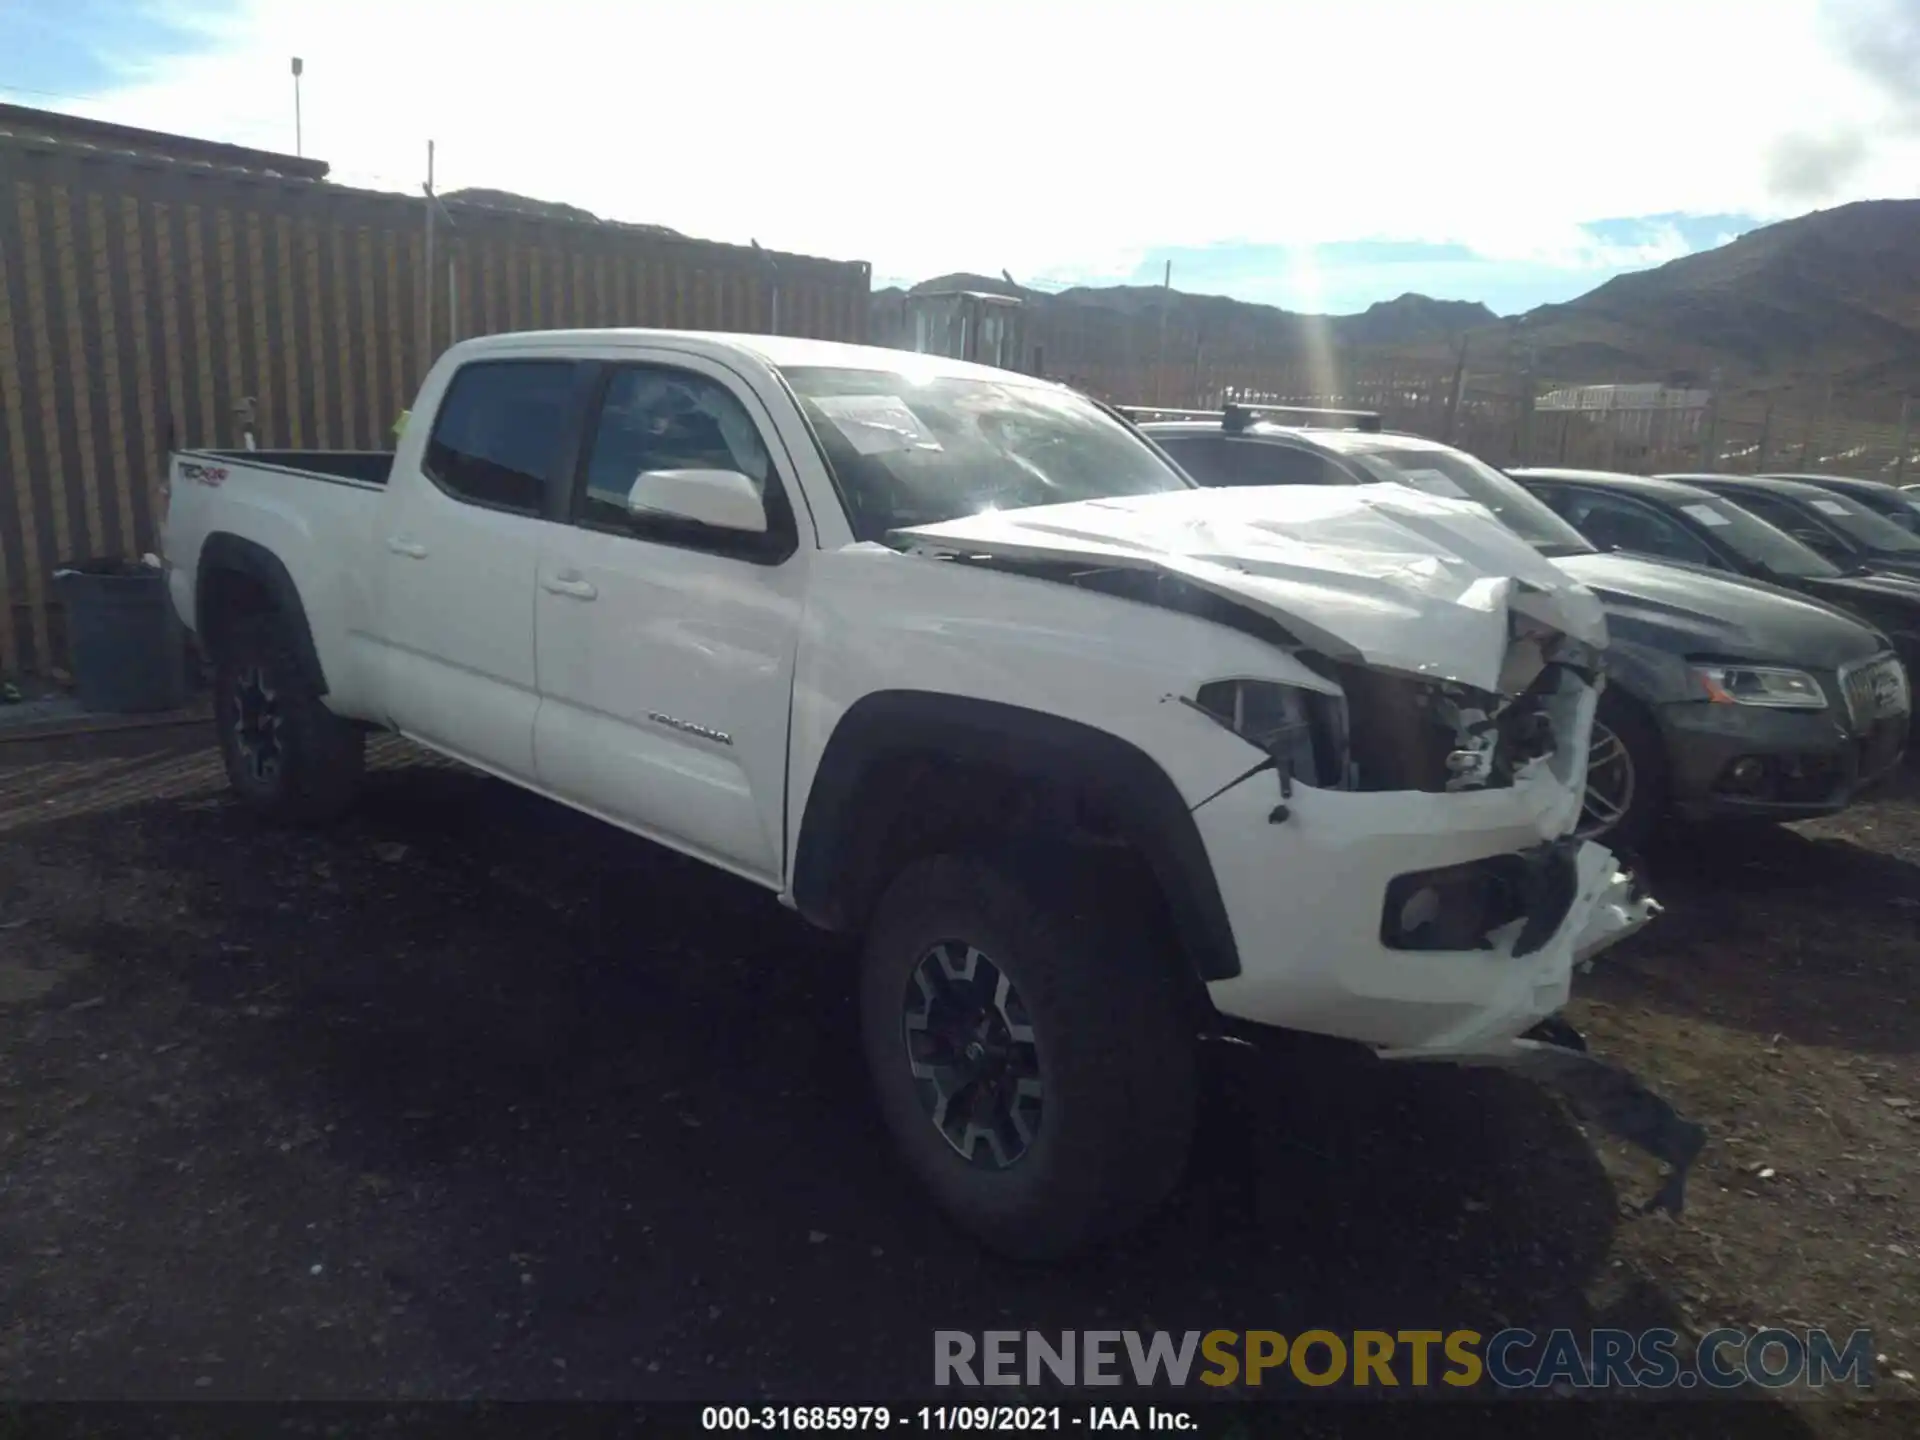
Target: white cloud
[[1052, 137]]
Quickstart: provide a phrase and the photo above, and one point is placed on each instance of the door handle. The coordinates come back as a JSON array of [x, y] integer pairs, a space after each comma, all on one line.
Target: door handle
[[569, 585], [412, 549]]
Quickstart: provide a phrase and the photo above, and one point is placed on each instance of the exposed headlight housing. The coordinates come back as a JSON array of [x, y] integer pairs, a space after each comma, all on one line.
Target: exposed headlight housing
[[1773, 686], [1305, 731]]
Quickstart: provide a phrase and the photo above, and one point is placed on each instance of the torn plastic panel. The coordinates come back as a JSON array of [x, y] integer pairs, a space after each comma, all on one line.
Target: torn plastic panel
[[1518, 900], [1552, 1051], [1554, 1054]]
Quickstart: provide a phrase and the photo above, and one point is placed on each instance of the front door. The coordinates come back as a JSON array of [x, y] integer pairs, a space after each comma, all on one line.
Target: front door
[[666, 648]]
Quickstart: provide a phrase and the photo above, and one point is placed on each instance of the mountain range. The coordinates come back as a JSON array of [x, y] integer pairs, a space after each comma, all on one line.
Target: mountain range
[[1820, 309]]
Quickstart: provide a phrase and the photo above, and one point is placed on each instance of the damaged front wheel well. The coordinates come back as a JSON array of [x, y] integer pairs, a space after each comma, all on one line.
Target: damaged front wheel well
[[909, 774]]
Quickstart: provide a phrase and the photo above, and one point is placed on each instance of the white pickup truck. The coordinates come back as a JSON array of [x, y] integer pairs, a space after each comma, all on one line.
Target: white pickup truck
[[958, 662]]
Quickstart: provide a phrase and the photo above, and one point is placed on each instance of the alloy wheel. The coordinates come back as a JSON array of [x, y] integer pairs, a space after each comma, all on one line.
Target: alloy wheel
[[256, 723], [1610, 784], [973, 1055]]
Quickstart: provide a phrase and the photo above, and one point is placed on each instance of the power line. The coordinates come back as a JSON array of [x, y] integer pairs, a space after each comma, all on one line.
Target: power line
[[6, 89]]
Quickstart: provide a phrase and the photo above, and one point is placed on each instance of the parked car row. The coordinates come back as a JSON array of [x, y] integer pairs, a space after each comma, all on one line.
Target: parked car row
[[1091, 761], [1719, 528], [1748, 678]]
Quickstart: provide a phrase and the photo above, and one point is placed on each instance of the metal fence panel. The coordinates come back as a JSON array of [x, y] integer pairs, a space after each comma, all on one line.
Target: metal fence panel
[[142, 298]]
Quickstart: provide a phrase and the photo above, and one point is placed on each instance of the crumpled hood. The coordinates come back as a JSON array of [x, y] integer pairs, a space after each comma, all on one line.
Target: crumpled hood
[[1382, 575]]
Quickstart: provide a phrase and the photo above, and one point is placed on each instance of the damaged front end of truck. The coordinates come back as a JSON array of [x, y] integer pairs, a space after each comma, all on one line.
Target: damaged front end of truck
[[1399, 856]]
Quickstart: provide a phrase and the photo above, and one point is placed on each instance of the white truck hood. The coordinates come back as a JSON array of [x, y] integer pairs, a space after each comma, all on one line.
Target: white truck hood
[[1379, 574]]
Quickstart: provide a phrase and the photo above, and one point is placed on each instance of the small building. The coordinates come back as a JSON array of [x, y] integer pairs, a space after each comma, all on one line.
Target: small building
[[1651, 396]]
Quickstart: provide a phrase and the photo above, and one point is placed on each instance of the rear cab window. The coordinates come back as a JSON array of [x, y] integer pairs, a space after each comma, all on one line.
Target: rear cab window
[[502, 431]]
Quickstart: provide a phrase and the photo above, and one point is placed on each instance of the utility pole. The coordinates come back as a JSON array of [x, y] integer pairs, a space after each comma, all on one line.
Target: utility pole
[[1160, 356], [1710, 424], [1523, 439], [298, 139], [1458, 391], [1906, 430], [427, 280], [773, 287]]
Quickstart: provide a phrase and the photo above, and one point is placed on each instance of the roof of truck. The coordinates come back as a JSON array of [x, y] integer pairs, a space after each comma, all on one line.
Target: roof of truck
[[781, 351]]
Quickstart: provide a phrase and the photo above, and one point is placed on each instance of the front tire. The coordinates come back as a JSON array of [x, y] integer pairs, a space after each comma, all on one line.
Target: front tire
[[1029, 1050], [288, 757]]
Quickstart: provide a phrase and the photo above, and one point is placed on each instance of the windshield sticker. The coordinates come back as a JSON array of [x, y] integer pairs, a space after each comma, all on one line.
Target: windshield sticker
[[1435, 482], [1830, 507], [877, 424], [1705, 514]]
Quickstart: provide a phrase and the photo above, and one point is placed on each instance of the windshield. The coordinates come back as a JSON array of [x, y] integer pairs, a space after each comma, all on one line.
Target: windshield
[[1459, 476], [1757, 542], [1861, 525], [1891, 504], [907, 452]]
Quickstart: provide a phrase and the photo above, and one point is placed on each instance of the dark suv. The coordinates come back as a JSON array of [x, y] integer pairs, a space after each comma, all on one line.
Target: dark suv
[[1725, 697]]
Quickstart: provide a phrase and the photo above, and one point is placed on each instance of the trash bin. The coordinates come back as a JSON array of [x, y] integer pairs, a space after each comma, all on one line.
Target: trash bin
[[124, 640]]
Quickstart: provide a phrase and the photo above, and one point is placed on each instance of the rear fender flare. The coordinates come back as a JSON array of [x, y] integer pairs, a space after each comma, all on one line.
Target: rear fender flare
[[224, 551]]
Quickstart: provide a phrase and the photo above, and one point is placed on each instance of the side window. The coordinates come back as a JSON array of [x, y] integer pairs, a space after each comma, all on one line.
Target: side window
[[1616, 522], [498, 438], [656, 418], [1556, 500], [1785, 515], [1220, 460]]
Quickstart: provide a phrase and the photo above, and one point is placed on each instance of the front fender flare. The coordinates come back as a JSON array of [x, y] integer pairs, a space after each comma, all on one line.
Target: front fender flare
[[1122, 779]]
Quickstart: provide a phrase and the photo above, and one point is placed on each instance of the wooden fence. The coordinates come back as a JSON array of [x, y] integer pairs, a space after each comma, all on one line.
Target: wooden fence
[[144, 298]]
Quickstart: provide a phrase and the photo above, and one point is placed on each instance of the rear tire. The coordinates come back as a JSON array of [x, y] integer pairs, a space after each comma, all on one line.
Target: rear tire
[[1626, 748], [1079, 1031], [288, 757]]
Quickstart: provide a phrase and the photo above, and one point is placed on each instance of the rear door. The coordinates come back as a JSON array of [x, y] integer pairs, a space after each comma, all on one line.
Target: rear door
[[666, 648], [459, 549]]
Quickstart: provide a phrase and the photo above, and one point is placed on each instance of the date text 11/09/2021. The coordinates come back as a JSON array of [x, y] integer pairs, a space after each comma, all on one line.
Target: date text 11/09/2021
[[937, 1419]]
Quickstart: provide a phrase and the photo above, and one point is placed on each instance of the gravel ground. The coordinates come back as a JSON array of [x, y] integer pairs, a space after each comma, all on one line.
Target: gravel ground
[[472, 1097]]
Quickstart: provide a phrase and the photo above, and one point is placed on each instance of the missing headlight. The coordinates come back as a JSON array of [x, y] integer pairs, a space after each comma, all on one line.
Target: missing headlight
[[1409, 733], [1303, 730]]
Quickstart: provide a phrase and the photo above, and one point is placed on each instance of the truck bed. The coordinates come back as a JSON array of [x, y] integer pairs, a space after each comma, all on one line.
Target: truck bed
[[303, 523], [366, 467]]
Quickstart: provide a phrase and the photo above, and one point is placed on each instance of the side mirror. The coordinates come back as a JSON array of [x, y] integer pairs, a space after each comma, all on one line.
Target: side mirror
[[1814, 540], [724, 499]]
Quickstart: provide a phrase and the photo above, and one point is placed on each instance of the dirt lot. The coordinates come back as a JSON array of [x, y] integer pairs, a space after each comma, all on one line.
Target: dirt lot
[[473, 1097]]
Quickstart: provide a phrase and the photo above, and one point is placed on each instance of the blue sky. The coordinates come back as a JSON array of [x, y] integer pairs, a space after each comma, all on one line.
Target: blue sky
[[1342, 276], [1427, 155], [54, 51]]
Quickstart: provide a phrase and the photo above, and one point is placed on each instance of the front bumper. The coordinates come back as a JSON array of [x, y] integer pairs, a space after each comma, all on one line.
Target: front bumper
[[1811, 763], [1307, 897]]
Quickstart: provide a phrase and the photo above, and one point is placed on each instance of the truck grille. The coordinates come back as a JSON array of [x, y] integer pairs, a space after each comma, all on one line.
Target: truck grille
[[1876, 690]]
